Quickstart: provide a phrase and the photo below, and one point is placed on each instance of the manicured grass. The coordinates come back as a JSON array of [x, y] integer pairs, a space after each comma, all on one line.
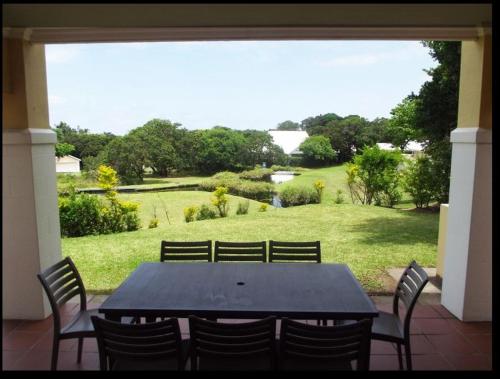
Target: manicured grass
[[367, 238]]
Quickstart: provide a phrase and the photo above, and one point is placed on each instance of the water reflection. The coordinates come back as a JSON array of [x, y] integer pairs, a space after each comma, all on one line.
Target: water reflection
[[282, 176]]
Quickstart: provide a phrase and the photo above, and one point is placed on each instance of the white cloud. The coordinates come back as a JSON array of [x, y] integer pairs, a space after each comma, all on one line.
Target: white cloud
[[61, 53]]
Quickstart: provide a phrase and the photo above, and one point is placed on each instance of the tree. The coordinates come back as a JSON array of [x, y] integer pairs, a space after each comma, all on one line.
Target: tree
[[346, 136], [259, 148], [402, 123], [128, 157], [85, 143], [221, 149], [288, 125], [315, 125], [63, 149], [317, 151]]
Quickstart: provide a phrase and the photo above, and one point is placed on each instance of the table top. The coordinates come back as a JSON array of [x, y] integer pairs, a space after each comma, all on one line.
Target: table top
[[241, 290]]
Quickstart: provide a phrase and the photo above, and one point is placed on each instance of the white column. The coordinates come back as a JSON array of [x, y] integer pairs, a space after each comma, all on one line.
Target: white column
[[467, 284], [31, 231]]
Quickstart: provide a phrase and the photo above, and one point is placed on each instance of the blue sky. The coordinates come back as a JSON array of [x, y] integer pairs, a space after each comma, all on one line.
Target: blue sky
[[241, 85]]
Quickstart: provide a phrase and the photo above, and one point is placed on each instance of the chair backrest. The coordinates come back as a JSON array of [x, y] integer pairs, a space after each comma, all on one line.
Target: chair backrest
[[186, 251], [135, 346], [216, 345], [240, 251], [310, 347], [410, 285], [61, 283], [294, 251]]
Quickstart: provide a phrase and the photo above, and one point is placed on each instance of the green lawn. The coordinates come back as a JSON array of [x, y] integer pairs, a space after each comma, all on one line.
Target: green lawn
[[367, 238]]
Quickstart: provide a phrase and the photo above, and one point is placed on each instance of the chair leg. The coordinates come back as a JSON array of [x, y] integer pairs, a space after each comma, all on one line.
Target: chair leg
[[80, 348], [55, 353], [408, 356], [400, 357]]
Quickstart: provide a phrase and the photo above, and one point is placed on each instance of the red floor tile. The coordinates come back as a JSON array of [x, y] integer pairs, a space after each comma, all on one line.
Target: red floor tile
[[471, 327], [482, 342], [20, 340], [420, 345], [45, 343], [384, 362], [470, 361], [430, 362], [36, 326], [452, 344], [382, 348], [8, 326], [443, 312], [433, 325], [10, 357], [425, 311]]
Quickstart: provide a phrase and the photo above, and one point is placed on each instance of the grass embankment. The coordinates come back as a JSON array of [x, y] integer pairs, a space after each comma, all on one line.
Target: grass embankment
[[367, 238]]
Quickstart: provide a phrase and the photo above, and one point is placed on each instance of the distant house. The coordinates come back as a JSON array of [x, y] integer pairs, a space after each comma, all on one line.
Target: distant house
[[289, 140], [68, 163], [412, 147]]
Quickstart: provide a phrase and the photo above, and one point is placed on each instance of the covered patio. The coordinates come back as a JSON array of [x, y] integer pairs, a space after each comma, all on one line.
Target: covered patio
[[451, 330]]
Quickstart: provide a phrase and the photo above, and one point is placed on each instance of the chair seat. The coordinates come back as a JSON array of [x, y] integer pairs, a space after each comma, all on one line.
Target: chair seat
[[387, 327], [81, 324], [153, 365]]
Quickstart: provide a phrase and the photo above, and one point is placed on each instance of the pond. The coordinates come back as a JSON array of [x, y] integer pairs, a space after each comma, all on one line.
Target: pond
[[277, 178], [282, 176]]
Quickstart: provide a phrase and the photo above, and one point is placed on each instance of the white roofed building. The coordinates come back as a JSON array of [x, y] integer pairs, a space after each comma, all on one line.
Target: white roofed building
[[68, 163], [289, 140]]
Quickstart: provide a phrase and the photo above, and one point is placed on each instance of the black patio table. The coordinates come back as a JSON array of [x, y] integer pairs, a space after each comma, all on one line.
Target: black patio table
[[240, 290]]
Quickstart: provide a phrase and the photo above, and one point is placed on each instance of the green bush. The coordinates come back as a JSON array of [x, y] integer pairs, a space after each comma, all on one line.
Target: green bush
[[373, 176], [298, 195], [243, 207], [339, 198], [153, 223], [257, 174], [260, 191], [419, 181], [286, 168], [80, 215], [189, 213], [221, 201], [206, 212], [263, 207]]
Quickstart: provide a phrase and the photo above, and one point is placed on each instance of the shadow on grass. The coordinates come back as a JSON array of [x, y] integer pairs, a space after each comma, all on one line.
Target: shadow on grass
[[414, 227]]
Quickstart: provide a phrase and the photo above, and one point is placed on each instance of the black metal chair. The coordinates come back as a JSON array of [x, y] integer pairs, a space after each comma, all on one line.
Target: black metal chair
[[186, 251], [242, 346], [311, 347], [388, 326], [295, 251], [61, 283], [152, 346], [240, 251], [302, 252]]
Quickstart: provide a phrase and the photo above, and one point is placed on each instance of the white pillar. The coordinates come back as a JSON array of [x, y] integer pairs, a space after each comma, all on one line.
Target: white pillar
[[30, 219], [467, 284]]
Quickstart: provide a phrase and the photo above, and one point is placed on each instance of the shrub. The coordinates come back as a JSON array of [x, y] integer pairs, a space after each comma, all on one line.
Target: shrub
[[419, 180], [220, 200], [80, 215], [339, 198], [263, 207], [243, 207], [298, 195], [319, 186], [373, 176], [153, 223], [257, 174], [260, 191], [317, 151], [205, 213], [189, 213], [286, 168]]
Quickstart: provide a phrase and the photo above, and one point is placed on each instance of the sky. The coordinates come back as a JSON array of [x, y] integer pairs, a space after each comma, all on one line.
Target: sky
[[238, 84]]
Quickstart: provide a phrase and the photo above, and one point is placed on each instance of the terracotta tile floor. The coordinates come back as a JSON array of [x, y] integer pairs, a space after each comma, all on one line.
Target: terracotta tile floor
[[439, 341]]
